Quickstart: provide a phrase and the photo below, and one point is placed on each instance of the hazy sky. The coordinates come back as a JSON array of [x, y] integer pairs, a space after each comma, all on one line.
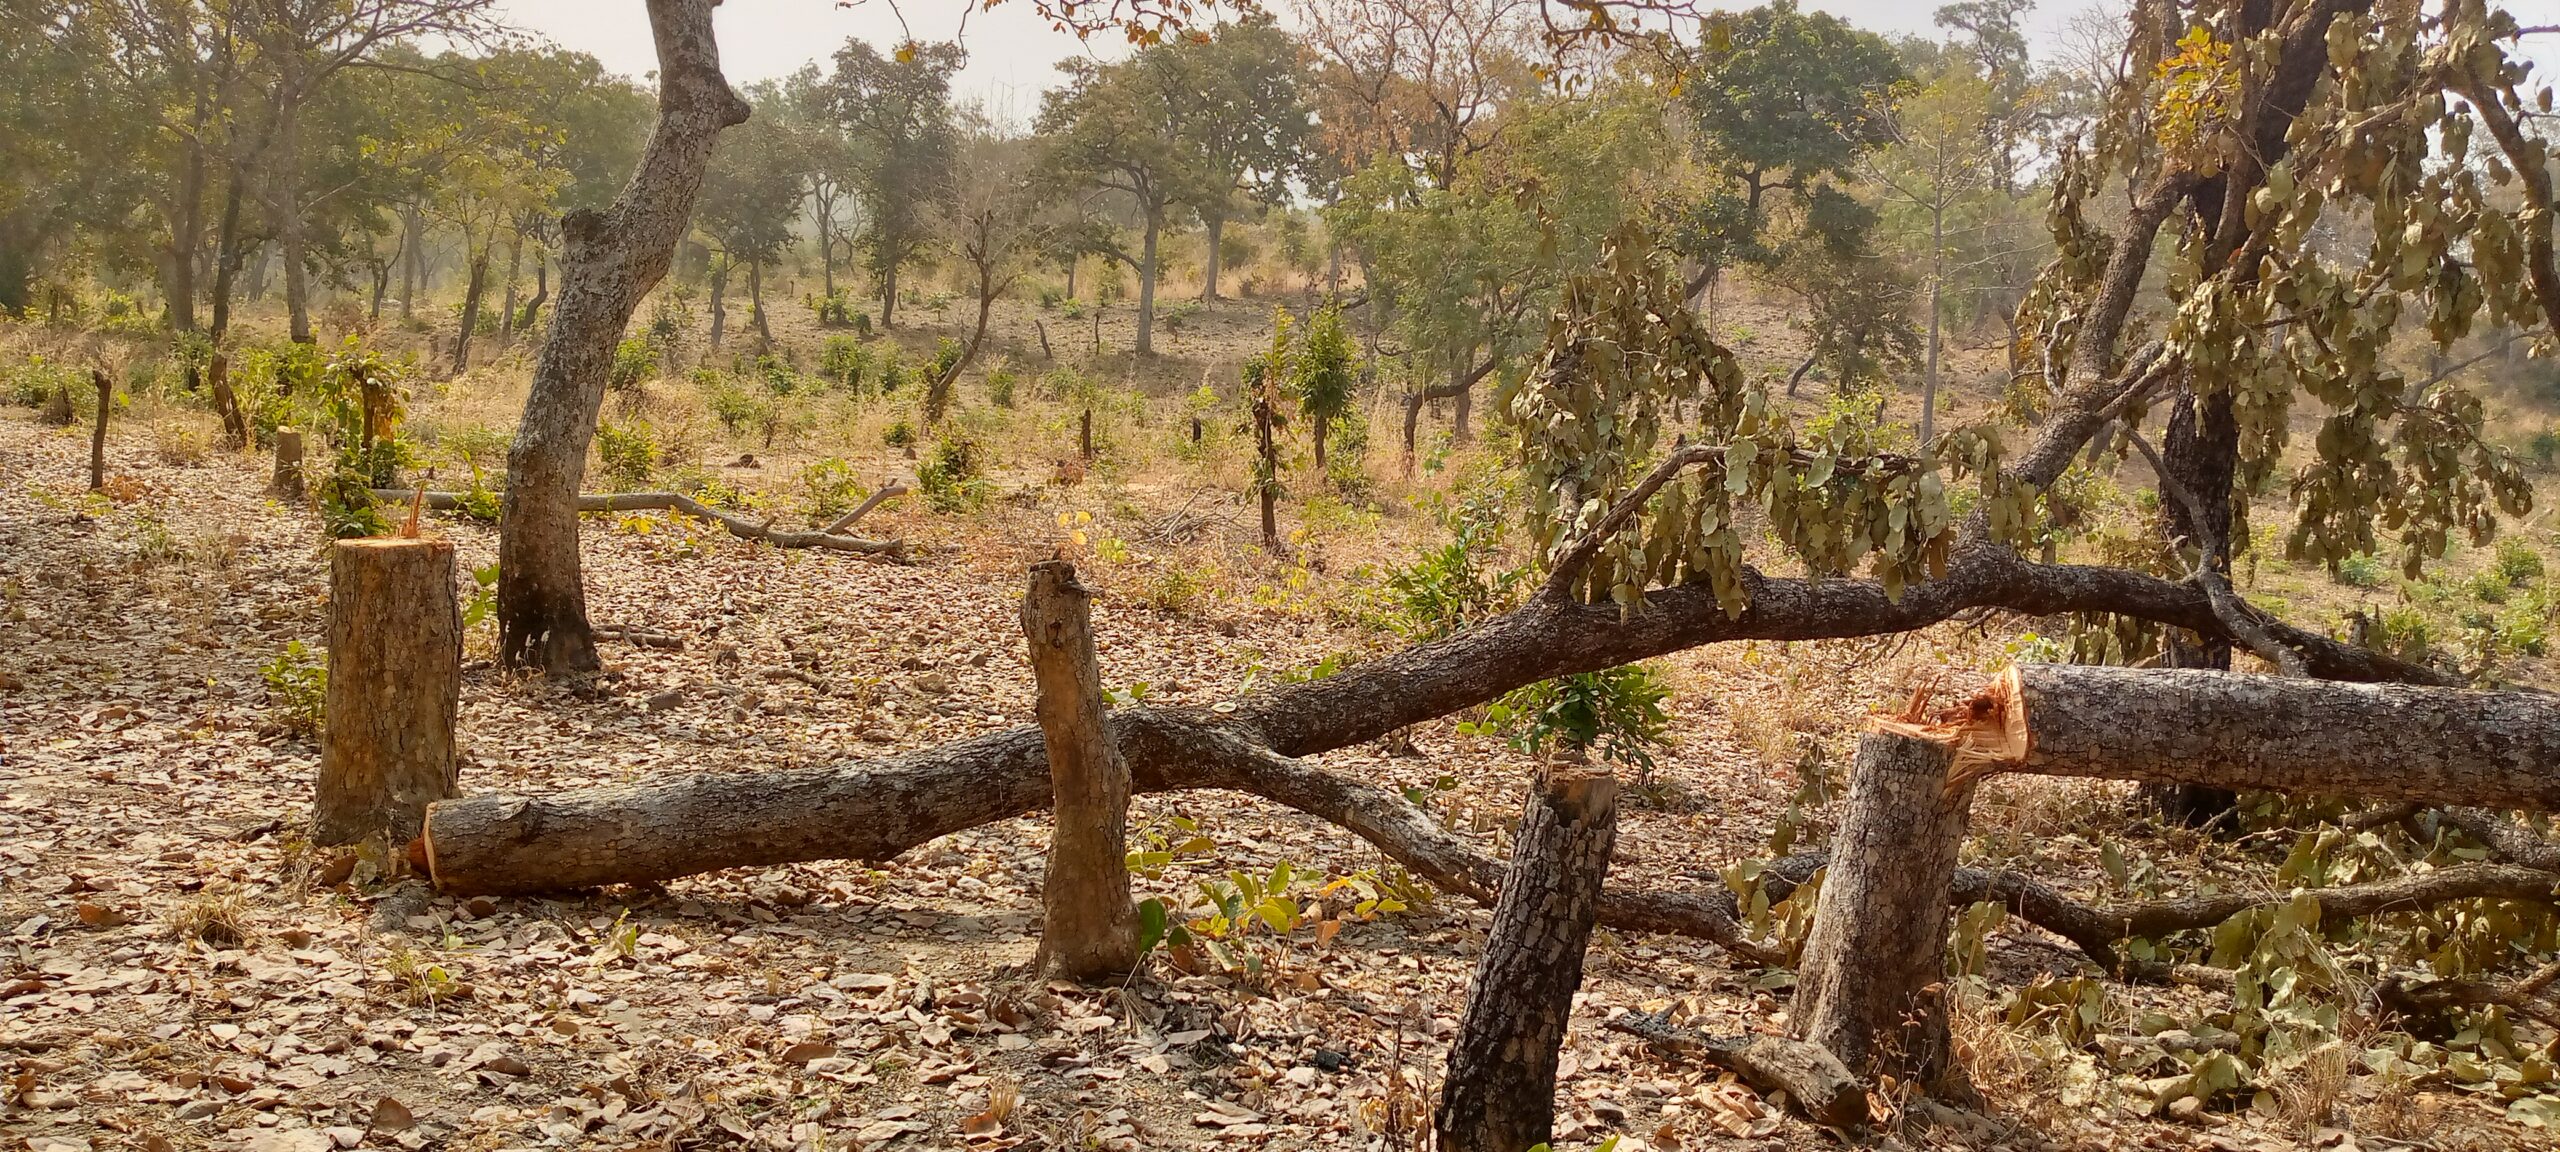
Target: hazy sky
[[1012, 51]]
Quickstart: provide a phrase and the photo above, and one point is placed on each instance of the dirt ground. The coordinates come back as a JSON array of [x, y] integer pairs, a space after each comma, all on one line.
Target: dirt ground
[[183, 971]]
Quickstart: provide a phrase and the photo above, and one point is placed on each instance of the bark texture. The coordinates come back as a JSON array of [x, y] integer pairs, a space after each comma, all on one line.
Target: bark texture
[[288, 472], [1871, 987], [2230, 730], [395, 681], [608, 261], [1090, 928], [98, 431], [1501, 1089], [235, 423]]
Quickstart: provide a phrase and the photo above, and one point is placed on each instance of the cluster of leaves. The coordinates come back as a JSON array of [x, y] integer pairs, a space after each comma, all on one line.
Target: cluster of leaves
[[297, 689], [1615, 713]]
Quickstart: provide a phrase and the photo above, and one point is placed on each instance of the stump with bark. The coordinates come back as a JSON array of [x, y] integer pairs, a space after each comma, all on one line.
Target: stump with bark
[[1090, 932], [395, 680], [1871, 987], [288, 474], [1501, 1087], [235, 422]]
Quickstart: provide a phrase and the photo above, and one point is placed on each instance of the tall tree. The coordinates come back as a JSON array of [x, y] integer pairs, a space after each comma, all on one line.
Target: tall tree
[[1938, 161], [895, 112], [992, 222], [1118, 127], [750, 200], [1244, 120], [609, 259]]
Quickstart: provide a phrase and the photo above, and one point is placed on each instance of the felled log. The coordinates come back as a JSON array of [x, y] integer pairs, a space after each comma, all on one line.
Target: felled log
[[1500, 1093], [2230, 730], [1811, 1078], [395, 681], [738, 526], [1089, 929], [1872, 986]]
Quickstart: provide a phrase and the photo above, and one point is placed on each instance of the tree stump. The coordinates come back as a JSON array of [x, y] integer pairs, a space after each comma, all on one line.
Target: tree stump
[[1501, 1088], [288, 474], [1872, 984], [98, 431], [1084, 435], [1090, 932], [235, 423], [395, 680]]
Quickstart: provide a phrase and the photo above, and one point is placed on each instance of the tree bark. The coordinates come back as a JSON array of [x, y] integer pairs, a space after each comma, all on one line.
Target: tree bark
[[719, 299], [226, 403], [287, 480], [1215, 225], [98, 431], [470, 310], [1872, 985], [1500, 1092], [1147, 284], [755, 300], [287, 202], [541, 296], [395, 680], [2200, 454], [1090, 929], [413, 252], [1813, 1079], [2232, 730], [608, 261]]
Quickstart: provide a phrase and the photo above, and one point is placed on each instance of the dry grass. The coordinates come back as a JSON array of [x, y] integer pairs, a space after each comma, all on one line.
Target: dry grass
[[217, 918]]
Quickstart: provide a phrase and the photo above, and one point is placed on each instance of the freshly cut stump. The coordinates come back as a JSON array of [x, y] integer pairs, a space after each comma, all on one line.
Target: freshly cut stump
[[1501, 1089], [395, 682], [1090, 931], [1872, 985]]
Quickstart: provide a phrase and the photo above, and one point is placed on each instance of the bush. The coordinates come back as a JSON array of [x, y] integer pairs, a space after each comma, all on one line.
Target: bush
[[834, 311], [831, 489], [899, 435], [1001, 380], [297, 689], [893, 371], [1347, 453], [843, 363], [33, 382], [629, 453], [733, 406], [2362, 570], [2518, 564], [941, 377], [1615, 713], [635, 362], [2488, 587], [949, 476]]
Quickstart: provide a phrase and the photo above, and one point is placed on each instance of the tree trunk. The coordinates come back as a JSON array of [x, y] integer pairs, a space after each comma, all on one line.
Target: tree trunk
[[1501, 1089], [1267, 481], [1872, 985], [1937, 281], [235, 423], [719, 299], [1462, 390], [1316, 430], [2202, 454], [1147, 285], [1090, 930], [470, 310], [226, 252], [888, 297], [287, 480], [608, 261], [412, 249], [1084, 436], [186, 229], [290, 226], [755, 300], [507, 304], [395, 680], [1216, 226], [2237, 731], [541, 296], [98, 431]]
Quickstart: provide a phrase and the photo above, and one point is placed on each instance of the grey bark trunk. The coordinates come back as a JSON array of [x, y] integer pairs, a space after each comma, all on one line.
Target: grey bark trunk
[[1090, 930], [1147, 285], [1216, 228], [1500, 1092], [1872, 985], [608, 261], [471, 292], [290, 227]]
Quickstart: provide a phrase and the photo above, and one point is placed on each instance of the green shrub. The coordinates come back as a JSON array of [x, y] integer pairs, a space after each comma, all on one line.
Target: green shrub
[[949, 475], [2518, 563], [843, 363], [1001, 381], [733, 406], [33, 381], [635, 362], [629, 453], [831, 489], [1615, 713], [2362, 570], [892, 370], [901, 434], [297, 689], [834, 311]]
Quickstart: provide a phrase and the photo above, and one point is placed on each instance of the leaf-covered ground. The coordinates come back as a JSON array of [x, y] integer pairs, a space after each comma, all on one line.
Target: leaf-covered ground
[[184, 972]]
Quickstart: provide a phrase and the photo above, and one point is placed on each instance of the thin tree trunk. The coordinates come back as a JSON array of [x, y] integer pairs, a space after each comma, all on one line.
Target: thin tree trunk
[[1937, 280], [888, 297], [1316, 431], [1147, 285], [608, 261], [1216, 227], [507, 305], [719, 299], [470, 310], [1872, 986], [186, 232], [1500, 1092], [413, 246], [98, 431], [1090, 928], [541, 296], [235, 423], [2202, 453], [755, 300], [290, 226], [395, 681], [287, 478], [226, 249]]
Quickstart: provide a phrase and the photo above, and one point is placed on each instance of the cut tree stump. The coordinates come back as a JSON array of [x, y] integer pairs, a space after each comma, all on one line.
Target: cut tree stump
[[1501, 1088], [1090, 930], [2233, 730], [395, 680], [288, 475], [1872, 984], [98, 431], [235, 423]]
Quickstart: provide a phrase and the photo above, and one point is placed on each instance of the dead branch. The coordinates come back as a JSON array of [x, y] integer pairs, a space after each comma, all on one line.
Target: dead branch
[[2236, 616], [888, 491], [1812, 1079], [738, 526], [643, 636], [2414, 995]]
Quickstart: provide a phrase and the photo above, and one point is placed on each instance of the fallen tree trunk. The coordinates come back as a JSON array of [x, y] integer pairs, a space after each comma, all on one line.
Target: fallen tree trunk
[[2230, 730], [738, 526], [1812, 1079]]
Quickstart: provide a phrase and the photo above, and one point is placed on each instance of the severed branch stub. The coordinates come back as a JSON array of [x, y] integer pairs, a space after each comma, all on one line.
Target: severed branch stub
[[1501, 1088], [1090, 930]]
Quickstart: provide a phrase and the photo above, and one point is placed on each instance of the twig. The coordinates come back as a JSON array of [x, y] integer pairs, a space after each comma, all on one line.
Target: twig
[[1576, 557], [2226, 606], [840, 523]]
